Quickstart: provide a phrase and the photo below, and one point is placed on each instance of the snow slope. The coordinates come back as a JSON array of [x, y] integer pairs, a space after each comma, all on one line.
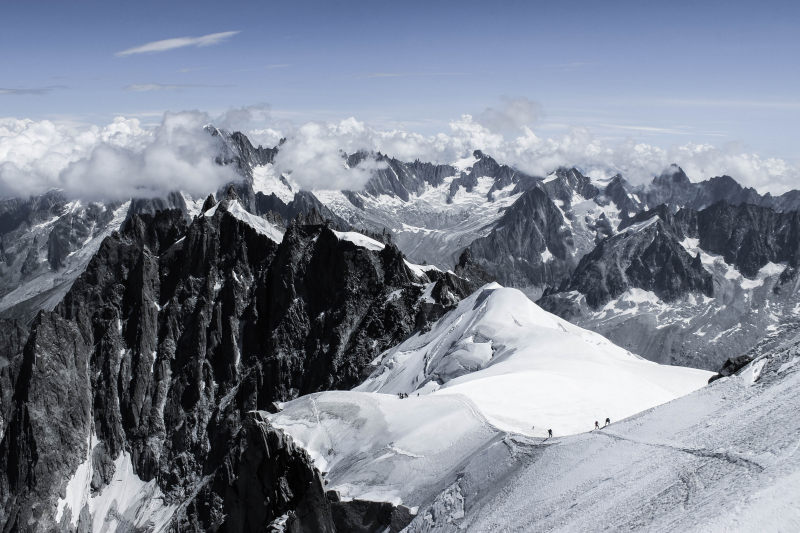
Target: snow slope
[[725, 458], [260, 224], [523, 367], [267, 181], [127, 502], [379, 447], [497, 363]]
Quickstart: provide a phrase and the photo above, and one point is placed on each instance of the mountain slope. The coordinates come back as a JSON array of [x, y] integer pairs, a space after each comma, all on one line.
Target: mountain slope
[[149, 366], [433, 211], [721, 459], [522, 366], [688, 288], [495, 364]]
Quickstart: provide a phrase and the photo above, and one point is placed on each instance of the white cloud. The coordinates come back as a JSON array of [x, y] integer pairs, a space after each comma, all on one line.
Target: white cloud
[[514, 114], [118, 161], [126, 158], [243, 118], [149, 87], [178, 42], [313, 155], [312, 152]]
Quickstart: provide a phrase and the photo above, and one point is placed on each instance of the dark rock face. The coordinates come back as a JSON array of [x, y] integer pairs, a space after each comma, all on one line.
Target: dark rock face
[[304, 204], [50, 421], [649, 257], [749, 236], [41, 245], [746, 236], [618, 191], [72, 230], [400, 179], [236, 149], [360, 516], [13, 336], [175, 333], [732, 366], [266, 479], [567, 182], [502, 175], [674, 188], [173, 200], [512, 252], [16, 211]]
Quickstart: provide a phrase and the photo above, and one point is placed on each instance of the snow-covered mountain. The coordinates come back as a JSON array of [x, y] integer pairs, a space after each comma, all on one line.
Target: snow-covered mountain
[[689, 287], [45, 243], [494, 366], [433, 211]]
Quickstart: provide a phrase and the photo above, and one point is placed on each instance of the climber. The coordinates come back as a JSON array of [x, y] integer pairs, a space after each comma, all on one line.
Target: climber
[[549, 433], [596, 425], [608, 421]]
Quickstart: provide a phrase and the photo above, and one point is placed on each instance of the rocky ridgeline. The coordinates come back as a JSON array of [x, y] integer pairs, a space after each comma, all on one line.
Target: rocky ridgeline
[[173, 334], [647, 252]]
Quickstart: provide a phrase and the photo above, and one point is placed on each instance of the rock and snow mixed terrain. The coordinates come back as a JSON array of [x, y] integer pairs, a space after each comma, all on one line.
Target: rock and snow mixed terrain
[[496, 364]]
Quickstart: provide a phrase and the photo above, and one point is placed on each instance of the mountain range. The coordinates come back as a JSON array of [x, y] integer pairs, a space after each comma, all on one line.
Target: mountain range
[[272, 358]]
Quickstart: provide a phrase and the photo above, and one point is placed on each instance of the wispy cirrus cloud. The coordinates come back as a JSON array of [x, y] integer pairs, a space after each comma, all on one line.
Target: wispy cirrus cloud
[[763, 104], [28, 91], [149, 87], [264, 67], [411, 74], [186, 70], [178, 42]]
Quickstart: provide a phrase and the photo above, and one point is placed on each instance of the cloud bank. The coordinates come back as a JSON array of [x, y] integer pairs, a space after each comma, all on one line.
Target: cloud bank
[[178, 42], [124, 159], [118, 161]]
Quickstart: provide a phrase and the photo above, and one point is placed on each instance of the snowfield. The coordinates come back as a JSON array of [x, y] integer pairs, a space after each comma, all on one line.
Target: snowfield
[[127, 503], [496, 365], [524, 367], [725, 458], [378, 447]]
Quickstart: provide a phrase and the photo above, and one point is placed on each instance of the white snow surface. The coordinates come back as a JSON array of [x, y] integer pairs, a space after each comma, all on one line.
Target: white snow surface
[[266, 181], [522, 367], [126, 502], [261, 225], [723, 459], [360, 240], [496, 364], [379, 447]]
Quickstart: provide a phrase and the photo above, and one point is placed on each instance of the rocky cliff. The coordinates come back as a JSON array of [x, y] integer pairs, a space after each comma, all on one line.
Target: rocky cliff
[[149, 367]]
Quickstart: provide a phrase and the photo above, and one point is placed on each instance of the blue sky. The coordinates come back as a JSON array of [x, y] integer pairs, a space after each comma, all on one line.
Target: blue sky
[[664, 72]]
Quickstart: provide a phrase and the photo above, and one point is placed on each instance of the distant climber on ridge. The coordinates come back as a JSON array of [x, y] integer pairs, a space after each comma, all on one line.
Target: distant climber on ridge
[[608, 421], [596, 425], [549, 433]]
